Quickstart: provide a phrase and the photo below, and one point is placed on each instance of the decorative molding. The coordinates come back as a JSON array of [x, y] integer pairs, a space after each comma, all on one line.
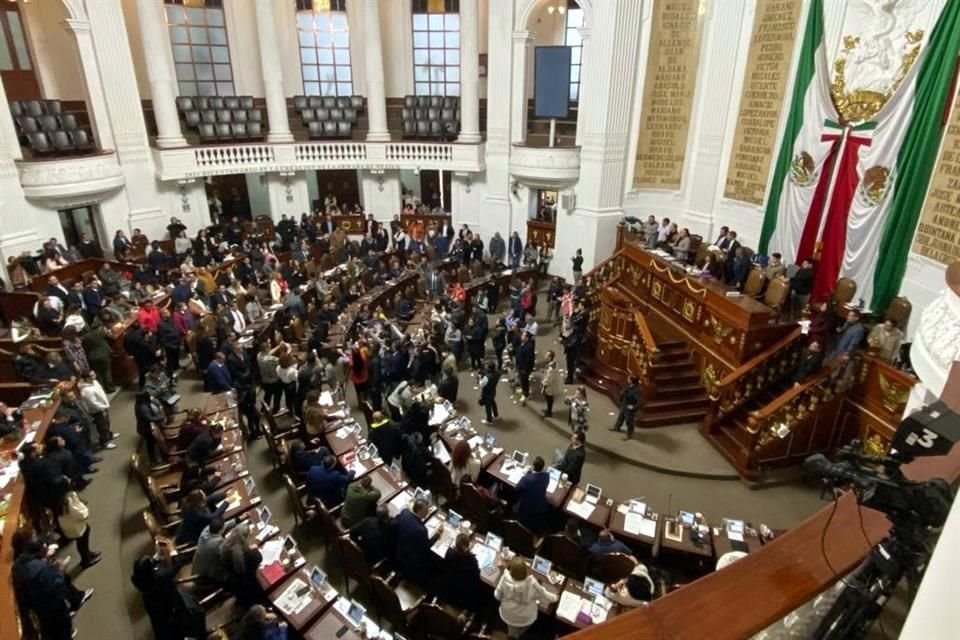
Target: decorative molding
[[75, 9], [56, 180], [555, 167], [195, 162]]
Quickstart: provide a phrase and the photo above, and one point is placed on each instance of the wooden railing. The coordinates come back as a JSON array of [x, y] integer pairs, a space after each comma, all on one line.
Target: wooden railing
[[750, 379]]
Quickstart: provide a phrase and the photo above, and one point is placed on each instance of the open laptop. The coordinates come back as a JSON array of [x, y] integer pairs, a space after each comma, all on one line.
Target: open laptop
[[317, 577], [593, 494], [289, 544], [542, 565], [593, 587], [263, 516], [493, 541], [686, 518], [454, 519], [356, 613], [489, 440]]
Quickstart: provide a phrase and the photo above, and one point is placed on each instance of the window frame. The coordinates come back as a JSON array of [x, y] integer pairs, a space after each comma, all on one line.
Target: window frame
[[342, 81], [436, 58], [576, 51], [220, 67]]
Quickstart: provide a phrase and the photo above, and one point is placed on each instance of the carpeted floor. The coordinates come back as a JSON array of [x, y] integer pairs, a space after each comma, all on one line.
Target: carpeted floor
[[116, 500]]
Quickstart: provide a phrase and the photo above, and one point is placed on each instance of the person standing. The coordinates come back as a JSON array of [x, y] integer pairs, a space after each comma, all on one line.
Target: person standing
[[515, 250], [525, 359], [42, 587], [630, 400], [551, 384], [268, 362], [169, 338], [488, 392], [577, 261], [532, 506], [579, 409], [72, 514], [99, 355], [94, 400], [519, 594], [497, 248], [571, 461]]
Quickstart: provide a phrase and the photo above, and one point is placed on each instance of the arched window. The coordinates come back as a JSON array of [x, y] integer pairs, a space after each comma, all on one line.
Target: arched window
[[436, 47], [324, 47], [201, 52], [571, 38]]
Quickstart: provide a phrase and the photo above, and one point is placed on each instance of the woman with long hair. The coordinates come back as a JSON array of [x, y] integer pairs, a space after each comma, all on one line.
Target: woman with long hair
[[242, 558], [287, 373], [260, 624], [463, 465], [359, 372]]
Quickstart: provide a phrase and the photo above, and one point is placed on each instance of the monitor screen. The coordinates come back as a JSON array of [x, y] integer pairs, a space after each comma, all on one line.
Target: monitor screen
[[735, 526], [493, 541], [541, 565], [372, 450], [454, 519], [555, 473], [419, 494], [489, 440], [249, 484], [317, 577], [289, 543], [395, 469], [686, 518], [593, 587], [264, 516], [356, 612], [519, 457], [593, 492]]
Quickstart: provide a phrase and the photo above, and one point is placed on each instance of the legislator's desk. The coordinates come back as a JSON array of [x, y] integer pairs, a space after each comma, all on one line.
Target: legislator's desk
[[289, 562], [319, 599], [583, 620], [596, 517], [500, 470], [617, 525], [553, 583]]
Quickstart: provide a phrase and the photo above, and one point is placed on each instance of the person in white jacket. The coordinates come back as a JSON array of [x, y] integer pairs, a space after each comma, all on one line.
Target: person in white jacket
[[519, 594], [94, 400]]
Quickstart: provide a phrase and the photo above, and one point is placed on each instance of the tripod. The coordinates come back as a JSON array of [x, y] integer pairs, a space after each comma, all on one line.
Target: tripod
[[904, 553]]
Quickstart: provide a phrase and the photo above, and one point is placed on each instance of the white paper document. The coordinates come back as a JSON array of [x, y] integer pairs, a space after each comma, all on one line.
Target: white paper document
[[440, 452], [485, 555], [399, 501], [552, 485], [289, 602], [270, 551], [439, 415], [326, 399], [569, 606]]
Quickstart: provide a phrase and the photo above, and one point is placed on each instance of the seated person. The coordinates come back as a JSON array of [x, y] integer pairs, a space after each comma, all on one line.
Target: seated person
[[636, 590], [886, 339], [192, 427], [205, 445], [360, 502], [53, 371], [196, 516], [606, 543], [810, 362], [327, 483], [374, 535], [302, 458]]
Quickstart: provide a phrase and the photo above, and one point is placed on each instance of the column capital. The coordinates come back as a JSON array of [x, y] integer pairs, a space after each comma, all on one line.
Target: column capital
[[523, 37], [76, 25]]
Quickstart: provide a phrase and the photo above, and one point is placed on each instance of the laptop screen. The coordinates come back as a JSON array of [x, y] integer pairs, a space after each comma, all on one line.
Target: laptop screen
[[356, 612], [686, 518], [541, 565], [289, 543], [264, 516], [593, 491], [317, 577], [593, 587], [489, 440], [454, 519], [519, 457]]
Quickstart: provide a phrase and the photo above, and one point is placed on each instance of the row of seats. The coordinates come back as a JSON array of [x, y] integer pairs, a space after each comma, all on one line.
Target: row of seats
[[431, 116], [201, 103], [328, 116], [226, 131], [42, 126], [222, 118]]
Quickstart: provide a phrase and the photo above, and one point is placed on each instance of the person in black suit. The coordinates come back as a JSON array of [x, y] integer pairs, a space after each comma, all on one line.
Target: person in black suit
[[810, 362], [328, 225], [121, 245], [731, 254], [630, 400], [741, 269], [532, 503], [412, 549], [374, 535], [722, 240], [385, 437], [525, 358], [93, 298], [54, 288], [488, 392], [88, 248], [461, 576], [218, 379], [571, 462]]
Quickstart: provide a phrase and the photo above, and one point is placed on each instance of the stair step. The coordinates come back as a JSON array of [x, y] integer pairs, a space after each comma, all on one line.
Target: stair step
[[699, 400], [727, 447], [672, 345], [678, 416], [658, 369], [674, 378], [678, 355], [682, 389]]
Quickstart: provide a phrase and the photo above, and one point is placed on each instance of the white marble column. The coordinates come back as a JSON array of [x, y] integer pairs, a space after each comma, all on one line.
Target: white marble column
[[92, 86], [469, 72], [522, 42], [163, 81], [376, 91], [585, 34], [272, 77]]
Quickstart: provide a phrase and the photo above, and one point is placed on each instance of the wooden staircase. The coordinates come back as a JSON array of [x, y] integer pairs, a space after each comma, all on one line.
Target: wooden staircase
[[675, 394]]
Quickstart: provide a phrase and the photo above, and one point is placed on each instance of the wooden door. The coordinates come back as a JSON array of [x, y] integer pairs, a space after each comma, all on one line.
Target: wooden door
[[16, 65]]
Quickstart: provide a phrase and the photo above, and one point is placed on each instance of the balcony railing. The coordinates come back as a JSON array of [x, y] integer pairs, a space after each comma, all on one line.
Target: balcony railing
[[194, 162], [545, 167]]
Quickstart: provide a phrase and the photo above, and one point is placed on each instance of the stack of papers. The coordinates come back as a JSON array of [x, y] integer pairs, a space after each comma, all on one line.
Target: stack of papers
[[439, 415], [569, 606], [513, 471], [342, 433], [270, 551], [326, 399], [289, 602], [400, 501], [639, 525]]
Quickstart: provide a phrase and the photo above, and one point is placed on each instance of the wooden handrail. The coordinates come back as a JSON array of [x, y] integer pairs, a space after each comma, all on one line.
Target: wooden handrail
[[645, 333], [787, 396], [756, 360]]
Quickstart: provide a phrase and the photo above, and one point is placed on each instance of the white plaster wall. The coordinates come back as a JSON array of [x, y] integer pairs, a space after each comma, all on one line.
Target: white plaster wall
[[380, 195], [257, 194]]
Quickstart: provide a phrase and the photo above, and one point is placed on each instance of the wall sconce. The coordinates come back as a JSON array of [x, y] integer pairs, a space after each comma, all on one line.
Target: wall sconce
[[515, 189], [288, 189], [467, 180], [379, 174], [561, 9], [184, 198]]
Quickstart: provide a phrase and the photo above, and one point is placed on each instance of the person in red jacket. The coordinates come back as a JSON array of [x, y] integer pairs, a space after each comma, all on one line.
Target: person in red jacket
[[148, 316], [359, 371]]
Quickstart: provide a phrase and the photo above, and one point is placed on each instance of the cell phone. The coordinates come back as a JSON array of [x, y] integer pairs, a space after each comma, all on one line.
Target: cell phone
[[342, 630], [302, 591]]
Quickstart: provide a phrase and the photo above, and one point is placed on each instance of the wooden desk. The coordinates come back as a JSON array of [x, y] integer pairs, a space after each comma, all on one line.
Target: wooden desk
[[290, 562], [598, 517], [330, 623], [556, 498], [722, 544], [491, 577], [687, 546], [576, 588], [340, 445], [450, 437], [650, 543], [317, 604], [241, 498], [384, 481]]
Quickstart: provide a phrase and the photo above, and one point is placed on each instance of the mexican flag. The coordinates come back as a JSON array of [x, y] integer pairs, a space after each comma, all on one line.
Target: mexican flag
[[849, 182]]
